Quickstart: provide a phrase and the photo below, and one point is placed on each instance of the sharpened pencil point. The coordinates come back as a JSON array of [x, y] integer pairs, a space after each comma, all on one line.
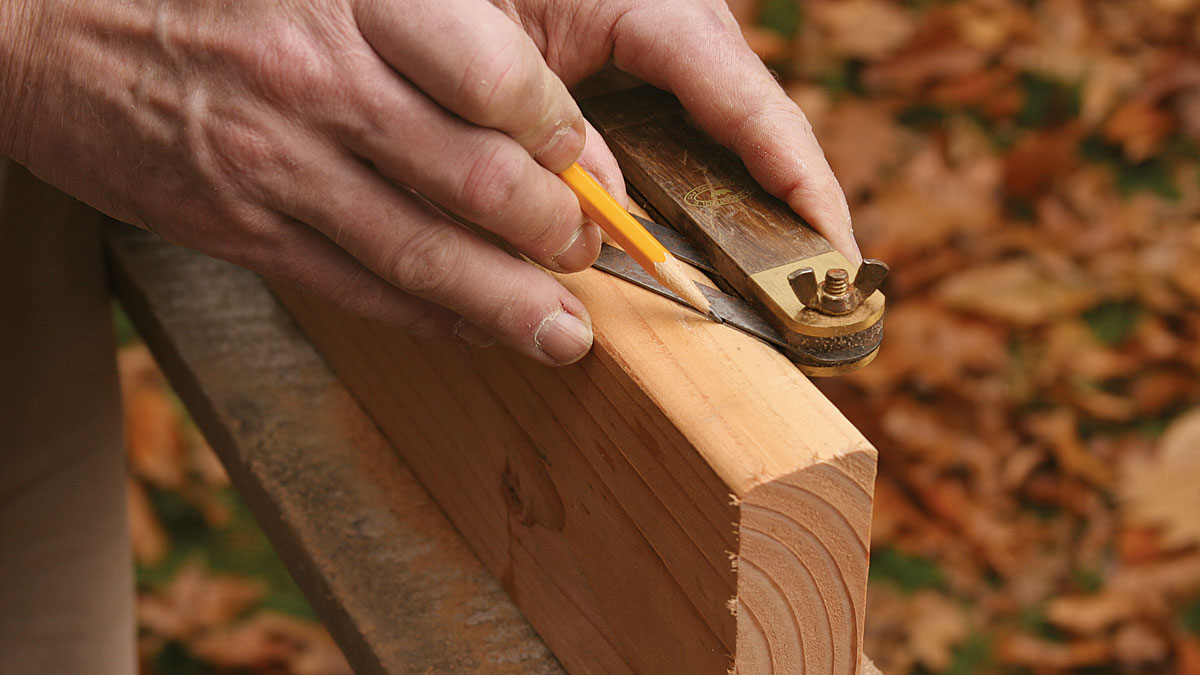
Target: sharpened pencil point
[[712, 314], [673, 274]]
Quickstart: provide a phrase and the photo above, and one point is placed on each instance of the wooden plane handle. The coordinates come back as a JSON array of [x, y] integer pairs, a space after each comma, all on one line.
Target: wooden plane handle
[[755, 240]]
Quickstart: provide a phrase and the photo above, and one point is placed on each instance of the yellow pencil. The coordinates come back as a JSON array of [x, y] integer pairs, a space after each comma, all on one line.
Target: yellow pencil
[[637, 242]]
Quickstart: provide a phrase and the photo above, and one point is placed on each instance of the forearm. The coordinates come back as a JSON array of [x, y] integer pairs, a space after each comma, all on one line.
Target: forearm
[[18, 29]]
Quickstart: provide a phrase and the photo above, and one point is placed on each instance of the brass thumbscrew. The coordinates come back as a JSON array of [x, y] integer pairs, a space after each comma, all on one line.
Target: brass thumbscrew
[[836, 295]]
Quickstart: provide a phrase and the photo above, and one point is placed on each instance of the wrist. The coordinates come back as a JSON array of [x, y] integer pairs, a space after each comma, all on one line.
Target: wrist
[[18, 28]]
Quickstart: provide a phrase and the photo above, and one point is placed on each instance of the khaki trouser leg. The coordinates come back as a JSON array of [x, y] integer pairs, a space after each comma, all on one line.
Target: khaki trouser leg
[[66, 587]]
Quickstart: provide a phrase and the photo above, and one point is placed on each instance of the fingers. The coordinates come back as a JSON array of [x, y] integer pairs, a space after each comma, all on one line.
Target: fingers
[[478, 174], [472, 59], [416, 249], [706, 63], [294, 253], [599, 161], [306, 259]]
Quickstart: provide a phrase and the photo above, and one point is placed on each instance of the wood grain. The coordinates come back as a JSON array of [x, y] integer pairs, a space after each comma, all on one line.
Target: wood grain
[[677, 167], [393, 582], [682, 500]]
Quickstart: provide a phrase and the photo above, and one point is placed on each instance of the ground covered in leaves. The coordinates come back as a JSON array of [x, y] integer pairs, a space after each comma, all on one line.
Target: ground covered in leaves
[[1031, 172], [212, 595]]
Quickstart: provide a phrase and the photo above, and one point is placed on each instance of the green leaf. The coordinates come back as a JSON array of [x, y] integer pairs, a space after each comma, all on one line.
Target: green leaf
[[923, 117], [781, 16], [1048, 102], [909, 573], [1113, 322], [1154, 174], [972, 657], [174, 658], [122, 326], [1189, 618]]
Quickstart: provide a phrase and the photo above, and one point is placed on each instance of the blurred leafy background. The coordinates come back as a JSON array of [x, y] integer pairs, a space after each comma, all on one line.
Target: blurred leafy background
[[1030, 170], [212, 594]]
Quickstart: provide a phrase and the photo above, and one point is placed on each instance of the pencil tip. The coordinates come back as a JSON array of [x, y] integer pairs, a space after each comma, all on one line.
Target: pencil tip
[[712, 314], [672, 274]]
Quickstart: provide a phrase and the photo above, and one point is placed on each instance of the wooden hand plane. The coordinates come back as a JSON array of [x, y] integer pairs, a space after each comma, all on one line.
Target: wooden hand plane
[[792, 288]]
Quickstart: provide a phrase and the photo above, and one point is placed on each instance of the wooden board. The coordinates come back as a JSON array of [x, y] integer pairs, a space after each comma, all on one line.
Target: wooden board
[[394, 583], [680, 501]]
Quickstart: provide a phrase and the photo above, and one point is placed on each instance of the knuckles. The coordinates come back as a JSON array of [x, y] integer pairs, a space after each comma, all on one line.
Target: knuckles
[[294, 68], [490, 183], [359, 296], [249, 151], [501, 77], [426, 321], [428, 262]]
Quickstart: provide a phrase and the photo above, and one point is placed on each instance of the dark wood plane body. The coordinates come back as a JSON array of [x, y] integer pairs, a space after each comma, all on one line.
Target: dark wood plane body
[[754, 240]]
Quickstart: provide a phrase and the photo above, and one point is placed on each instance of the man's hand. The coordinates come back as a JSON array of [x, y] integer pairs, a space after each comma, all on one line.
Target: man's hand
[[694, 49], [332, 143]]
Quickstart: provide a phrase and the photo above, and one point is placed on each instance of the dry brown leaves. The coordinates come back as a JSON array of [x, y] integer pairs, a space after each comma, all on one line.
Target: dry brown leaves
[[204, 613], [1031, 172], [163, 453], [1161, 491], [212, 616], [920, 630]]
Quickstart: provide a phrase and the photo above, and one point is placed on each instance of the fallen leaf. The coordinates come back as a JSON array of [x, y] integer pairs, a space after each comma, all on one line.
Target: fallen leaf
[[1174, 6], [152, 425], [927, 203], [1090, 614], [931, 345], [1140, 128], [269, 641], [1139, 545], [1157, 390], [1022, 649], [1061, 48], [1108, 80], [936, 626], [205, 464], [860, 140], [195, 600], [1169, 576], [767, 44], [935, 53], [865, 29], [1137, 644], [994, 91], [1160, 491], [990, 25], [1059, 430], [145, 531], [1039, 159], [1187, 651], [1016, 291]]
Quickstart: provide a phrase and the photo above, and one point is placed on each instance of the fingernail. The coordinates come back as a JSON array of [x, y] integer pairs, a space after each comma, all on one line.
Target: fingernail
[[563, 148], [563, 337], [581, 250], [472, 334]]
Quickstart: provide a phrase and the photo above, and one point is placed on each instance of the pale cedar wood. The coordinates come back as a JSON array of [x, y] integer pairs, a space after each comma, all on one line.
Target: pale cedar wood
[[628, 503]]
